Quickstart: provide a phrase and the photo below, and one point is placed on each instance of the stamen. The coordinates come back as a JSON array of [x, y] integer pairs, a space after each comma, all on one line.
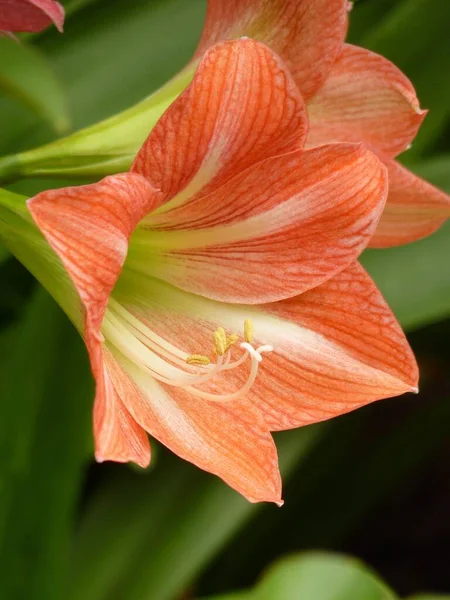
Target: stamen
[[231, 340], [197, 359], [142, 328], [228, 397], [248, 331], [236, 363], [220, 341], [171, 366]]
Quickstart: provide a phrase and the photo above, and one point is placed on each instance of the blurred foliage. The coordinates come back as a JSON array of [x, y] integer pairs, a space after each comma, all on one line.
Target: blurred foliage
[[40, 473], [73, 530], [316, 576], [319, 576], [27, 76]]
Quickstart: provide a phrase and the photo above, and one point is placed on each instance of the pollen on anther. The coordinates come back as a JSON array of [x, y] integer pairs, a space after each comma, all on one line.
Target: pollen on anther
[[220, 341], [231, 340], [248, 331], [197, 359]]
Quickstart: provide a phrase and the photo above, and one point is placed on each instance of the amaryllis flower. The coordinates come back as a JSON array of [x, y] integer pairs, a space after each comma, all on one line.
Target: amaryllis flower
[[352, 95], [30, 15], [220, 297]]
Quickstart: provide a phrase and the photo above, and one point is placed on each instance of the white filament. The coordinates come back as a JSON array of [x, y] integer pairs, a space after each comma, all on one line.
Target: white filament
[[167, 363]]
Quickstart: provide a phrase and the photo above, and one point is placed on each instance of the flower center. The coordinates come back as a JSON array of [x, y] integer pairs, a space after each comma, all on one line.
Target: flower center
[[172, 366]]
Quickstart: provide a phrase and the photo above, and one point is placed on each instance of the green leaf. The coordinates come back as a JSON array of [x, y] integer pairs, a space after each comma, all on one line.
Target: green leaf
[[4, 253], [415, 279], [130, 39], [368, 15], [436, 170], [72, 6], [44, 444], [317, 576], [134, 558], [26, 75]]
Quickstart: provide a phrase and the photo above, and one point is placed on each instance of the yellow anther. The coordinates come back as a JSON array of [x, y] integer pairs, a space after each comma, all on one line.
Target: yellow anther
[[220, 341], [231, 340], [248, 331], [197, 359]]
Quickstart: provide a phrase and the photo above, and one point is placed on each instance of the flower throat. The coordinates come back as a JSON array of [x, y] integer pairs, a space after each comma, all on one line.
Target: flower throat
[[171, 366]]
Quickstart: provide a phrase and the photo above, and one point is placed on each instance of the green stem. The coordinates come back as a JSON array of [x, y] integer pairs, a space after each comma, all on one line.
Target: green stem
[[102, 149], [23, 239], [9, 169]]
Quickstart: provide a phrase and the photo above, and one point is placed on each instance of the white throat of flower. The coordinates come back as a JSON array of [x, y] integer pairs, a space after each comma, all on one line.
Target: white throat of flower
[[174, 367]]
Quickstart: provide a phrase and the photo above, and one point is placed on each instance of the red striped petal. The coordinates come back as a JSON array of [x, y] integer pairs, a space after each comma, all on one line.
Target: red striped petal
[[365, 99], [88, 227], [241, 107], [230, 440], [274, 231], [307, 34], [350, 351], [117, 435], [414, 209]]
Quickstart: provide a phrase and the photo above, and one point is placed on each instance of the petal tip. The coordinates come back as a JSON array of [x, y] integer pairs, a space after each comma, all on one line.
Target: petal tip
[[412, 383], [280, 503], [142, 462], [58, 15]]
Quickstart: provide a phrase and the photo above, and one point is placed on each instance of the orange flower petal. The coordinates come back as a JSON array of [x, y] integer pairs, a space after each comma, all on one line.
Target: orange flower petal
[[365, 98], [273, 231], [230, 440], [414, 209], [344, 350], [308, 34], [241, 107], [88, 227], [117, 435], [30, 15]]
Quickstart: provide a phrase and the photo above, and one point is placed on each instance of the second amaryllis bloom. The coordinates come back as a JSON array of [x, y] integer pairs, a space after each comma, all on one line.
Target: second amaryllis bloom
[[352, 95], [220, 297]]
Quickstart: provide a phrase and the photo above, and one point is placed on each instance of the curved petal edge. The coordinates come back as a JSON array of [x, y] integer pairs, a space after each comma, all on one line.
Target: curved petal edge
[[366, 99], [414, 209], [307, 34]]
